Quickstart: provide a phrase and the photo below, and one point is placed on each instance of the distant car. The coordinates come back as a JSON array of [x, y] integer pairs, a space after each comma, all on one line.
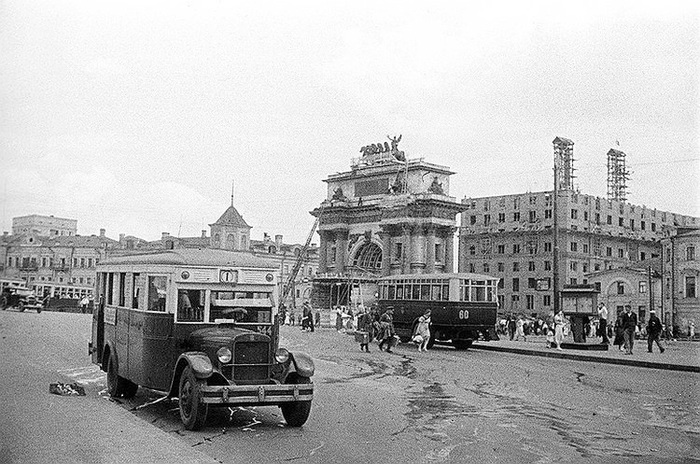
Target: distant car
[[20, 298]]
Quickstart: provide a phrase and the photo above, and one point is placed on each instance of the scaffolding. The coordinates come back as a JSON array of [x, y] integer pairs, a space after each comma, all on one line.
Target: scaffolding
[[564, 163], [618, 175]]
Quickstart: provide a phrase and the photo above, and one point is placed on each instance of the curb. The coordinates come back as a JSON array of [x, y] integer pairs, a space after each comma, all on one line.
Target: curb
[[599, 360]]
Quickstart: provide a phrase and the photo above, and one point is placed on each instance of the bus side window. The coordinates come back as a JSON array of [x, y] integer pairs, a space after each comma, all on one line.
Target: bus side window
[[157, 292], [190, 305]]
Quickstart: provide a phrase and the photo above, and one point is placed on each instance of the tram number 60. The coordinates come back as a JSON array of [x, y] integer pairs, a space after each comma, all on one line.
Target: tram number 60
[[463, 314]]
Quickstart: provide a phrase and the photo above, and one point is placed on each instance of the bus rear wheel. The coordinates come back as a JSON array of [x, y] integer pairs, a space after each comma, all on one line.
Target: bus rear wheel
[[193, 412], [118, 386], [297, 413]]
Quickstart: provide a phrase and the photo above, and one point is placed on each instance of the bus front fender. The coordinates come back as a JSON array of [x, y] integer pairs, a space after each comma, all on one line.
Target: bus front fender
[[303, 364], [197, 361]]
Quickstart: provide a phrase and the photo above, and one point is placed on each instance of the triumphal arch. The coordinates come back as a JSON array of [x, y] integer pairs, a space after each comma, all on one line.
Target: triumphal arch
[[389, 214]]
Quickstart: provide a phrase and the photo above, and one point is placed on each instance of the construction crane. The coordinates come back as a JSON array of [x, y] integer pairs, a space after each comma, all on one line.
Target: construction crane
[[303, 256]]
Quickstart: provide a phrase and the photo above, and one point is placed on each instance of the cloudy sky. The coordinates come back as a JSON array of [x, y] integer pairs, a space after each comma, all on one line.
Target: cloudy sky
[[137, 116]]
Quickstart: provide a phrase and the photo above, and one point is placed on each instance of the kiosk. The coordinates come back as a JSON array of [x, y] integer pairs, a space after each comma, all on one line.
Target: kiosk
[[579, 303]]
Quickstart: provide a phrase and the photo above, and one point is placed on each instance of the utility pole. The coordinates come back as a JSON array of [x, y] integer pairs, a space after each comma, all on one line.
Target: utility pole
[[555, 235]]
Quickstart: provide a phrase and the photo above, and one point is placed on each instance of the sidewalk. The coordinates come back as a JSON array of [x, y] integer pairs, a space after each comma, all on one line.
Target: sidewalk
[[677, 356]]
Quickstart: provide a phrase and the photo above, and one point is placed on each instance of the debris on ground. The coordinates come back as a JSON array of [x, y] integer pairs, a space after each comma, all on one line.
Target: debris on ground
[[65, 389]]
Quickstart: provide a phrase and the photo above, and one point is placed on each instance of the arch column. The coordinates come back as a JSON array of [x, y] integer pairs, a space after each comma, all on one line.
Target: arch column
[[449, 249], [430, 252], [341, 250], [323, 251], [417, 250], [387, 252], [406, 255]]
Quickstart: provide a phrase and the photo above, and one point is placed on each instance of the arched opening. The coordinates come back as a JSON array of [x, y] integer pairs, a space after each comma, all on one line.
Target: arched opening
[[368, 257]]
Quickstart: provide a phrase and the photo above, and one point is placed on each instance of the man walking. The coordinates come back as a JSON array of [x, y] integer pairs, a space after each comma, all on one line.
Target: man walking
[[603, 322], [653, 331], [629, 326]]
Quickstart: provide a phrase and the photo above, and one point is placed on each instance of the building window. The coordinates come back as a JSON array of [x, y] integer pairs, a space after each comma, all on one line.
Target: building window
[[516, 284], [632, 224], [690, 287], [516, 217], [547, 300], [608, 251], [501, 284], [690, 253], [472, 268], [653, 227], [516, 248], [501, 267], [574, 246], [620, 253], [531, 266], [501, 217], [487, 219], [642, 286], [643, 225], [516, 266], [532, 216], [642, 255], [533, 200], [516, 203], [620, 288], [487, 269], [621, 222], [531, 282], [548, 214], [585, 215], [585, 247], [501, 249], [530, 301], [548, 247], [472, 220], [573, 281], [547, 265], [574, 214], [472, 249], [609, 219], [597, 218]]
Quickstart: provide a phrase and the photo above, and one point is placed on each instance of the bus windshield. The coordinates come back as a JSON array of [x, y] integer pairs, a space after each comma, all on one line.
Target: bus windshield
[[240, 307]]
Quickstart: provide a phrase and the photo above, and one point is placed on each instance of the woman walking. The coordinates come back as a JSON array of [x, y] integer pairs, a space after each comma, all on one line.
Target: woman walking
[[423, 329], [559, 329], [386, 330]]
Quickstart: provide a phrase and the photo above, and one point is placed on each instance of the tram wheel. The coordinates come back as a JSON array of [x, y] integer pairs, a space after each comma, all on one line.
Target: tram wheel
[[462, 344], [193, 412]]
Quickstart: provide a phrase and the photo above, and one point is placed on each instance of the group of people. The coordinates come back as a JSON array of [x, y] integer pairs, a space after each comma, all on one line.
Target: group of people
[[309, 320], [626, 330], [371, 326]]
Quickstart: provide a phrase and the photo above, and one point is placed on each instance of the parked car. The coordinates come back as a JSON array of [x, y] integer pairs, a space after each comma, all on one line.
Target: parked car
[[20, 298]]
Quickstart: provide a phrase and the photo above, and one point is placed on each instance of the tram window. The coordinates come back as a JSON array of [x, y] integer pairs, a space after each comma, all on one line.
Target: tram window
[[415, 292], [392, 292], [480, 293], [445, 292], [436, 293], [399, 292], [190, 305], [425, 292], [157, 291]]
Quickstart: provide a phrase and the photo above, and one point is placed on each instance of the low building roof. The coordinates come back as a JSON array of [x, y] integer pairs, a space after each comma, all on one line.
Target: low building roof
[[195, 257]]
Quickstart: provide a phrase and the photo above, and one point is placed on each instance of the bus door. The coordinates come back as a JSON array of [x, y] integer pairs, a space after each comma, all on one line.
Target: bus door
[[98, 318]]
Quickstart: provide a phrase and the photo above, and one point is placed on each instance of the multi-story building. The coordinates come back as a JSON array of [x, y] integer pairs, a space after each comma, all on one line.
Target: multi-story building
[[44, 225], [60, 265], [511, 237], [681, 273], [637, 287]]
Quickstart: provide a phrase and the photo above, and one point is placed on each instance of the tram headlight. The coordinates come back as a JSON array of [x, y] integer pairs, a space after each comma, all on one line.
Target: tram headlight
[[224, 355], [282, 355]]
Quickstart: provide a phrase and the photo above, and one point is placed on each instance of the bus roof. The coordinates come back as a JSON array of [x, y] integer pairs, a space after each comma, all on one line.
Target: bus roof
[[452, 275], [195, 257]]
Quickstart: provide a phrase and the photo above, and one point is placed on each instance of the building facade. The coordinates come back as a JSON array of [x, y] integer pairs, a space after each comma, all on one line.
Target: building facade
[[511, 237], [388, 215], [681, 272], [639, 288], [48, 226]]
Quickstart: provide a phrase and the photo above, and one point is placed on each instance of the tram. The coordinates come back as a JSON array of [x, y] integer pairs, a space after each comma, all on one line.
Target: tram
[[463, 305]]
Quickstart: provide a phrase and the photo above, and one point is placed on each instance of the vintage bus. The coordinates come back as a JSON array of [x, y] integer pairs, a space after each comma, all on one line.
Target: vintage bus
[[199, 325], [463, 305]]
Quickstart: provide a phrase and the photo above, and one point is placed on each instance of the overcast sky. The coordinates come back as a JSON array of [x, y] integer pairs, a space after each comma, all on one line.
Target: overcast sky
[[137, 116]]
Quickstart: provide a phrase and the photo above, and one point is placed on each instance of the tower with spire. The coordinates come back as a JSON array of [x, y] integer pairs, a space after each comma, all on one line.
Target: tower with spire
[[230, 231]]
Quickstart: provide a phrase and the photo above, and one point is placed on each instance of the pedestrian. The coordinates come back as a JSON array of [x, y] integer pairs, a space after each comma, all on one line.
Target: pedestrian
[[423, 329], [691, 330], [559, 329], [653, 331], [338, 319], [511, 327], [307, 322], [603, 322], [386, 330], [84, 304], [520, 329], [629, 328], [619, 339], [292, 316], [317, 318], [365, 332]]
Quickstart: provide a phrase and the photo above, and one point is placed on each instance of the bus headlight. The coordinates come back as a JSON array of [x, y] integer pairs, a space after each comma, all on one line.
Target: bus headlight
[[224, 355], [282, 355]]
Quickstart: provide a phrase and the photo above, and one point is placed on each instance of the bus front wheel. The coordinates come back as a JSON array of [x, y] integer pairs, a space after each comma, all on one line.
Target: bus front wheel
[[193, 412], [297, 413]]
